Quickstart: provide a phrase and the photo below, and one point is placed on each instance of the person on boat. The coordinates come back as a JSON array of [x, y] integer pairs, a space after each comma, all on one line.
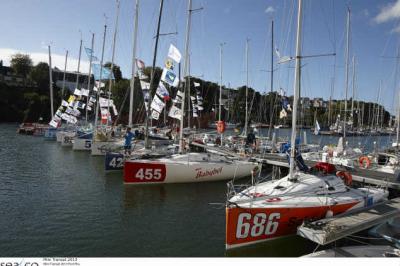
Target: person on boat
[[128, 141]]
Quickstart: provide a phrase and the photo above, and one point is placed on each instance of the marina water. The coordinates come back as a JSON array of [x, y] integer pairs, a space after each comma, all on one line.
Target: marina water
[[57, 202]]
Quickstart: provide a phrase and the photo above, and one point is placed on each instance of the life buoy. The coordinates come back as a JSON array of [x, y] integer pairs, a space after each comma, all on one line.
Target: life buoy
[[346, 176], [364, 161], [220, 127]]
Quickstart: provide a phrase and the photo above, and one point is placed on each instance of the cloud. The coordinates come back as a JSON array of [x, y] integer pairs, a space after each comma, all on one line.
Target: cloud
[[388, 12], [57, 60], [269, 10]]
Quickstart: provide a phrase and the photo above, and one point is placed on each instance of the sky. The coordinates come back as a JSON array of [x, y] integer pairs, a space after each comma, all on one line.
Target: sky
[[28, 26]]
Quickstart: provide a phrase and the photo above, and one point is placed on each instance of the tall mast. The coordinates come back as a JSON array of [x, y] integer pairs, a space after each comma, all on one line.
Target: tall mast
[[132, 84], [271, 107], [147, 117], [100, 78], [377, 104], [79, 64], [296, 93], [51, 84], [185, 69], [65, 70], [247, 86], [347, 76], [353, 91], [112, 59], [89, 76], [188, 91], [220, 83], [398, 119]]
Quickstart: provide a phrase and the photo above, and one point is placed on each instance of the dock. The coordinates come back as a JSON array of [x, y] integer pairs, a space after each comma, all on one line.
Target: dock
[[328, 230]]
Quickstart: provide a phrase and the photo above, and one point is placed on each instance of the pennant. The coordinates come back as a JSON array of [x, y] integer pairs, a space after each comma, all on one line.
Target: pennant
[[71, 98], [169, 64], [115, 110], [140, 69], [90, 54], [89, 108], [175, 112], [64, 103], [104, 113], [92, 99], [77, 92], [162, 91], [196, 84], [155, 115], [169, 77], [72, 120], [101, 73], [65, 117], [53, 123], [157, 104], [58, 113], [174, 54], [84, 92], [99, 84], [104, 102], [282, 114]]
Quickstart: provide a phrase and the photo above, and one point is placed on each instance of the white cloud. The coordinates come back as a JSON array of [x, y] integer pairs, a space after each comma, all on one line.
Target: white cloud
[[389, 12], [269, 10], [57, 60]]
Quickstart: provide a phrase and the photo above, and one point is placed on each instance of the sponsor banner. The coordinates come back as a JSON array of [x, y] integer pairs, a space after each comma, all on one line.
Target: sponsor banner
[[157, 104], [169, 77], [175, 112], [174, 53], [155, 115]]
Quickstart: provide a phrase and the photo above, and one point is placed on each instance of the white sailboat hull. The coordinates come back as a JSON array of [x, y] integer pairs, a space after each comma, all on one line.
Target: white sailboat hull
[[82, 144], [184, 169]]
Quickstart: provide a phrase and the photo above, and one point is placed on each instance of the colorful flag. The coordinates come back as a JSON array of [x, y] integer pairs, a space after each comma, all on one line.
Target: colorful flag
[[174, 54], [89, 53], [155, 115], [169, 77], [175, 112], [162, 91], [157, 104]]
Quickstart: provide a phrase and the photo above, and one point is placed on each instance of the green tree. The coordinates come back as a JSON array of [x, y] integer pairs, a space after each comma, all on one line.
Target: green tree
[[40, 75], [21, 64]]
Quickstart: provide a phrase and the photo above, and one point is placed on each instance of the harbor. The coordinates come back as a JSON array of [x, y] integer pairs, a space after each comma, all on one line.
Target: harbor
[[150, 153]]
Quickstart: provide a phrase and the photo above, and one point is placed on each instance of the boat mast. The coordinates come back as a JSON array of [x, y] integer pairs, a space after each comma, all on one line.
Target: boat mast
[[296, 93], [185, 69], [220, 83], [347, 76], [112, 60], [51, 84], [89, 76], [271, 108], [352, 91], [132, 83], [247, 86], [65, 70], [147, 117], [100, 78], [79, 64]]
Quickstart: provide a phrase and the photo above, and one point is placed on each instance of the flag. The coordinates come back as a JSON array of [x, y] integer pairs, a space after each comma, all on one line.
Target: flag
[[155, 115], [99, 84], [140, 69], [84, 92], [169, 77], [174, 54], [53, 123], [282, 114], [175, 112], [64, 103], [71, 98], [77, 92], [106, 72], [196, 84], [104, 102], [169, 63], [162, 91], [157, 104], [89, 53]]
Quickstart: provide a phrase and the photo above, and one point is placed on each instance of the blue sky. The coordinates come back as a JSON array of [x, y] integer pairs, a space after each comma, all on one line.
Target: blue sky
[[28, 25]]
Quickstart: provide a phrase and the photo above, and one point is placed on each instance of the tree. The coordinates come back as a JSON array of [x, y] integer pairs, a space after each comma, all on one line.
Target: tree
[[21, 64], [40, 75]]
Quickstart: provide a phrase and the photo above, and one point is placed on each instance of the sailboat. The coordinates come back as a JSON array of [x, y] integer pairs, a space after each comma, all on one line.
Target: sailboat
[[189, 166], [273, 209]]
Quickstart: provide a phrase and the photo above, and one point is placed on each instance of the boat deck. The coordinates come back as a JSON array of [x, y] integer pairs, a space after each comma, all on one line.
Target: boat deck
[[328, 230]]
